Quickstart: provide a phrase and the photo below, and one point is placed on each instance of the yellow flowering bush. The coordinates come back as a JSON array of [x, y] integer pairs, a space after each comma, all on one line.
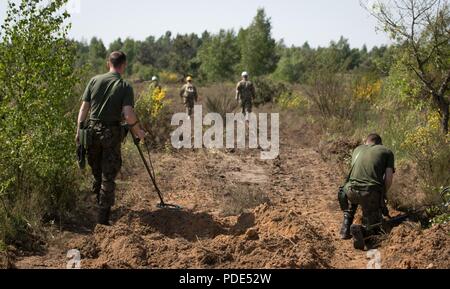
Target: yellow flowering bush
[[169, 77], [152, 109], [430, 149], [368, 91], [292, 101]]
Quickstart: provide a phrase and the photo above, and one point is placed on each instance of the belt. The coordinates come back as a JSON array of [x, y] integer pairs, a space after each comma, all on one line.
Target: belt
[[106, 123]]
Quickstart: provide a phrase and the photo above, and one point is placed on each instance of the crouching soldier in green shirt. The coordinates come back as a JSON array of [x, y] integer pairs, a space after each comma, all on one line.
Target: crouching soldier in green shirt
[[106, 100], [369, 181]]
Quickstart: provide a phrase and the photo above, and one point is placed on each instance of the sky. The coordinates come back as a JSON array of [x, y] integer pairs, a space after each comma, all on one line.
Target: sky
[[294, 21]]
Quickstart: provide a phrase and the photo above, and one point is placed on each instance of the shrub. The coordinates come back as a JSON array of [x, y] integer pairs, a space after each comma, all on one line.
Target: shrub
[[152, 109], [430, 150], [37, 168], [143, 72], [169, 77], [220, 99], [331, 94], [268, 90], [292, 101]]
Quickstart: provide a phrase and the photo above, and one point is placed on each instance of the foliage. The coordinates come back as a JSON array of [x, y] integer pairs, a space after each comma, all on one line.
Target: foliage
[[443, 213], [329, 92], [292, 101], [431, 152], [220, 99], [219, 56], [143, 72], [258, 48], [152, 109], [36, 83], [420, 28], [268, 90]]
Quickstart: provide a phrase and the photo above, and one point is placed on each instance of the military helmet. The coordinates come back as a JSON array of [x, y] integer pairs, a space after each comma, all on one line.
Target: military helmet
[[154, 78], [189, 78], [245, 74]]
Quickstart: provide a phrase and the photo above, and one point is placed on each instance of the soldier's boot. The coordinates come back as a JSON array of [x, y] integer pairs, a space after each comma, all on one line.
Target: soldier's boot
[[358, 237], [345, 230], [96, 188], [103, 216]]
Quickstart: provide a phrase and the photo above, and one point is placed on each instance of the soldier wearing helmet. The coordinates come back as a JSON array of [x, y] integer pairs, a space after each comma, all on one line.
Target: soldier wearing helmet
[[155, 83], [189, 95], [245, 94]]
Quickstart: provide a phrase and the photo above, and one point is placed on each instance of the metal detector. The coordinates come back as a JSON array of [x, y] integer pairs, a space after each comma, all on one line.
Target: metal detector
[[151, 173]]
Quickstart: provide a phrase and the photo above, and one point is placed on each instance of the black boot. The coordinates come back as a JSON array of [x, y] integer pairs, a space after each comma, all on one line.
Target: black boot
[[345, 230], [103, 216], [358, 237]]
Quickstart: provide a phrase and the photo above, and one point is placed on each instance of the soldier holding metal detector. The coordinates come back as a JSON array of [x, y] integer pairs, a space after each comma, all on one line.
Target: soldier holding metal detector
[[106, 101]]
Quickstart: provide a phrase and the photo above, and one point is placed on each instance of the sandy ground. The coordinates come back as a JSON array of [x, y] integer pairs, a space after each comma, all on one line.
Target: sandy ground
[[238, 212]]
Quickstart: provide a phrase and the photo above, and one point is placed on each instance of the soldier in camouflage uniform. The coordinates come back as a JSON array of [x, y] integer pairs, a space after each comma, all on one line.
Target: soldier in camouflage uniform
[[155, 83], [190, 96], [245, 93], [373, 167], [106, 100]]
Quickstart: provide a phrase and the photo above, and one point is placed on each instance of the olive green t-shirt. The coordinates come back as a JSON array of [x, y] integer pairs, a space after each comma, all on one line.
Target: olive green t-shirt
[[370, 164], [110, 85]]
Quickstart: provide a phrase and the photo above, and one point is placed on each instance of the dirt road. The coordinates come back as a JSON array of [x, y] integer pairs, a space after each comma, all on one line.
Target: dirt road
[[239, 212]]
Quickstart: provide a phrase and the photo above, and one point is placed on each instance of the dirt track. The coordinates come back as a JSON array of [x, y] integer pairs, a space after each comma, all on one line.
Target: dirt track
[[293, 221]]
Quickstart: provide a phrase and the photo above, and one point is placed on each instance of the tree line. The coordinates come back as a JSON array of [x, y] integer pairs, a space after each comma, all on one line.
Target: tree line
[[221, 56]]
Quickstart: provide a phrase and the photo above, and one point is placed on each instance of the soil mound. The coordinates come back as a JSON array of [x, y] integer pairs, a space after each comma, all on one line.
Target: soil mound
[[410, 247]]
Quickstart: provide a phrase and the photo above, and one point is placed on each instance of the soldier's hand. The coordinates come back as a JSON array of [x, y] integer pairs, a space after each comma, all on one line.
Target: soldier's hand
[[77, 138], [140, 134]]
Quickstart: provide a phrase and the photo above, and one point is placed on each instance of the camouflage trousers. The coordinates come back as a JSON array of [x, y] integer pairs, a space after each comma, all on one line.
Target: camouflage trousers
[[104, 157], [189, 104], [247, 105], [370, 205]]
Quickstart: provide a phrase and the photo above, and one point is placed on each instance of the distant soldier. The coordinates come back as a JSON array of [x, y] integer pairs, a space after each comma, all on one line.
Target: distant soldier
[[190, 96], [155, 83], [106, 98], [245, 93], [371, 177]]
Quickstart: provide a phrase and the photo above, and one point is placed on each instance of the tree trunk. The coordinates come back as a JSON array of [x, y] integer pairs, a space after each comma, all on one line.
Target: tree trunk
[[445, 117], [443, 106]]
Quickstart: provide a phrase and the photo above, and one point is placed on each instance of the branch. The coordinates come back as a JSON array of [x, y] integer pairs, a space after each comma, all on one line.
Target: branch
[[444, 85]]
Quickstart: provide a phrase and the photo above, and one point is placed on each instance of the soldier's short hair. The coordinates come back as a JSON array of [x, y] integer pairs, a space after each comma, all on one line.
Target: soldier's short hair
[[117, 58], [375, 139]]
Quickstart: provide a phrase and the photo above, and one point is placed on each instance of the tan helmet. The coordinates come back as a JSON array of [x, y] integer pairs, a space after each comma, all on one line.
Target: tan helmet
[[189, 78]]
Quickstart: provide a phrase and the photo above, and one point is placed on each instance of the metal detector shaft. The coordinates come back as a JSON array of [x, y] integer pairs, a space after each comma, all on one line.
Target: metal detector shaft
[[136, 141]]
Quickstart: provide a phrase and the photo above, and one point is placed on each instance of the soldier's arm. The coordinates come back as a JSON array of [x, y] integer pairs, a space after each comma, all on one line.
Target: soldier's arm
[[82, 115], [133, 122], [182, 91], [389, 178], [196, 94], [253, 91], [237, 92]]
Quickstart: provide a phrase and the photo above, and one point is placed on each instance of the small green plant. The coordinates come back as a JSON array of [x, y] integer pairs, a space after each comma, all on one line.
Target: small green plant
[[442, 212]]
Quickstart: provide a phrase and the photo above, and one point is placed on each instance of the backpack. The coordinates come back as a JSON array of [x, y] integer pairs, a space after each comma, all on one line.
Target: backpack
[[189, 91], [246, 89]]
